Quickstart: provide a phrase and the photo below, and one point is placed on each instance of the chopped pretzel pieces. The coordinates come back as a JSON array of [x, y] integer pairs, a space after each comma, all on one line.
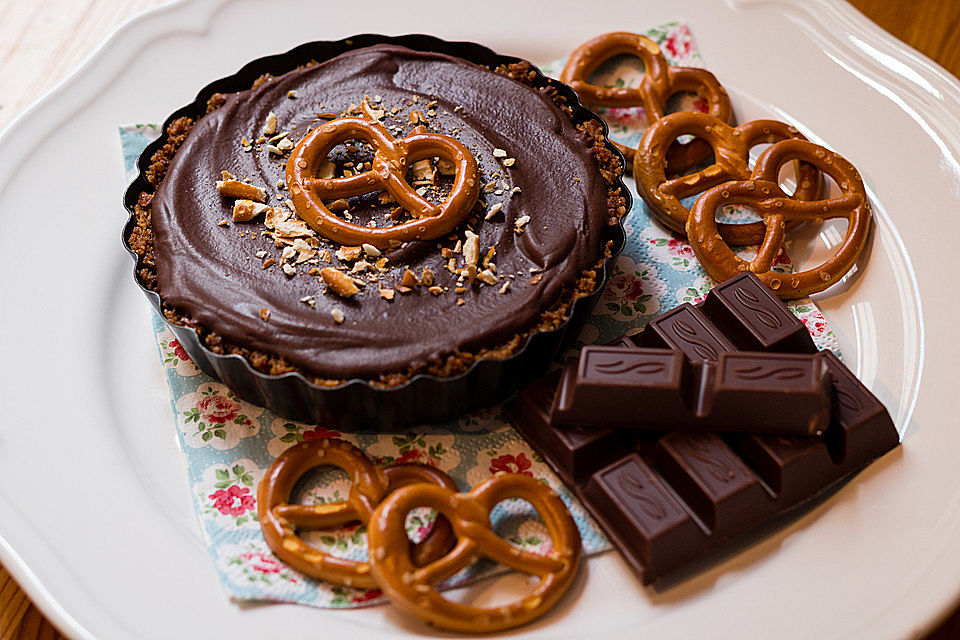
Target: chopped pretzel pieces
[[386, 294], [339, 282], [233, 188], [349, 254], [270, 124], [409, 280], [487, 277]]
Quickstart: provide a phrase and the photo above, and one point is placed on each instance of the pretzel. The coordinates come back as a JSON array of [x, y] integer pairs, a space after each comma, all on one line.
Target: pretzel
[[413, 589], [762, 193], [731, 149], [280, 520], [660, 81], [392, 158]]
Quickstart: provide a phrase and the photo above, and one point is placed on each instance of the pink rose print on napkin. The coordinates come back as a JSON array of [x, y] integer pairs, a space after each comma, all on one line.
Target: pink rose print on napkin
[[214, 416], [509, 463], [234, 501], [630, 291]]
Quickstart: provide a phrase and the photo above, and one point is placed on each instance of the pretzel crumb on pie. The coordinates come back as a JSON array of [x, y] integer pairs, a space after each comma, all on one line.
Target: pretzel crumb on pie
[[339, 282]]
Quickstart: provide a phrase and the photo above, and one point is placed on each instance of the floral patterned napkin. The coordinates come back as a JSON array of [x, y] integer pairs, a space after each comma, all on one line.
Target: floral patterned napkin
[[229, 443]]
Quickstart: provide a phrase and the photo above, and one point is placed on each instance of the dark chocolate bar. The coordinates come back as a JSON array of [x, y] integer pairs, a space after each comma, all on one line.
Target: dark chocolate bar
[[665, 498], [654, 388]]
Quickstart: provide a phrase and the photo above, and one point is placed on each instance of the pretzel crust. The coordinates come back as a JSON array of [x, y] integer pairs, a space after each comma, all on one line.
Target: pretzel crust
[[763, 194], [731, 149], [660, 81], [371, 484], [413, 589], [392, 158]]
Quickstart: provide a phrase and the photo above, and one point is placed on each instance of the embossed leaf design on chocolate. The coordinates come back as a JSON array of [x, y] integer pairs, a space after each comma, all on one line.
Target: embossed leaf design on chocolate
[[713, 463], [635, 486], [759, 371], [688, 334], [846, 396], [620, 367], [751, 301]]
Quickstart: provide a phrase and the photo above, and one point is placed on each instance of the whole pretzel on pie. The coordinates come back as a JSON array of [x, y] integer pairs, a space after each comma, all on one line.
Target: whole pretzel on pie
[[280, 520], [731, 149], [763, 194], [392, 158], [660, 81], [413, 588]]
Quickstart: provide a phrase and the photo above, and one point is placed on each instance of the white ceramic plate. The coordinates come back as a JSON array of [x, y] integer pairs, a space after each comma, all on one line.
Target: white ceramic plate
[[95, 518]]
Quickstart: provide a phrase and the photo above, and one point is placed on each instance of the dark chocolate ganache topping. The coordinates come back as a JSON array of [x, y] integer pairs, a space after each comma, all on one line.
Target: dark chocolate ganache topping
[[549, 228]]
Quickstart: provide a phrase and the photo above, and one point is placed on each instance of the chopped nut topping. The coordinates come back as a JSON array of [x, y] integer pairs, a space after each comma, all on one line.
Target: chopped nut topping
[[460, 302], [285, 145], [269, 262], [446, 167], [435, 290], [232, 188], [410, 279], [292, 94], [371, 251], [264, 314], [537, 278], [460, 290], [506, 285], [270, 124], [314, 271], [488, 277], [515, 190], [423, 172], [338, 316], [471, 248], [339, 282], [261, 254], [487, 258], [499, 153], [446, 253], [509, 162], [494, 210], [403, 289], [289, 270], [520, 223], [223, 223], [349, 254], [386, 294], [288, 253], [426, 278]]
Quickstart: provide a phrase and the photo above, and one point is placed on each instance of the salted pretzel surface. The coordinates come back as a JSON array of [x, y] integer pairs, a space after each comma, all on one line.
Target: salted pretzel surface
[[413, 588], [280, 520], [763, 194], [731, 150], [392, 158], [660, 81]]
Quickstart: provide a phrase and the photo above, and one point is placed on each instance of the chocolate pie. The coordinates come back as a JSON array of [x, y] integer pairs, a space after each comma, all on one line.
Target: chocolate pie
[[220, 241]]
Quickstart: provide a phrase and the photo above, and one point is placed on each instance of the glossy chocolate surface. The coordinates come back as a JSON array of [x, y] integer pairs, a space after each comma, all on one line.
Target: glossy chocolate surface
[[211, 274]]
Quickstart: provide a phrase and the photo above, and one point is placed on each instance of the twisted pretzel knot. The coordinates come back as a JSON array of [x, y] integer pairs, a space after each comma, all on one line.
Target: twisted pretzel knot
[[731, 149], [763, 194], [392, 158], [280, 520], [660, 81], [413, 589]]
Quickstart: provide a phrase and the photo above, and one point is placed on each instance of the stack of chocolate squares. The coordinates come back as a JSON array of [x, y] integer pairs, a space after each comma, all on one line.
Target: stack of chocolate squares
[[713, 420]]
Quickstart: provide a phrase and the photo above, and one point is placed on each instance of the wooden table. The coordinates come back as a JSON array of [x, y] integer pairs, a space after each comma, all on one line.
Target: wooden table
[[42, 41]]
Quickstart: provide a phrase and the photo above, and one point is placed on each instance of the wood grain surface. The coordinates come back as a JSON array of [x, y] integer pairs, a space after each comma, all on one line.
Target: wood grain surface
[[42, 41]]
